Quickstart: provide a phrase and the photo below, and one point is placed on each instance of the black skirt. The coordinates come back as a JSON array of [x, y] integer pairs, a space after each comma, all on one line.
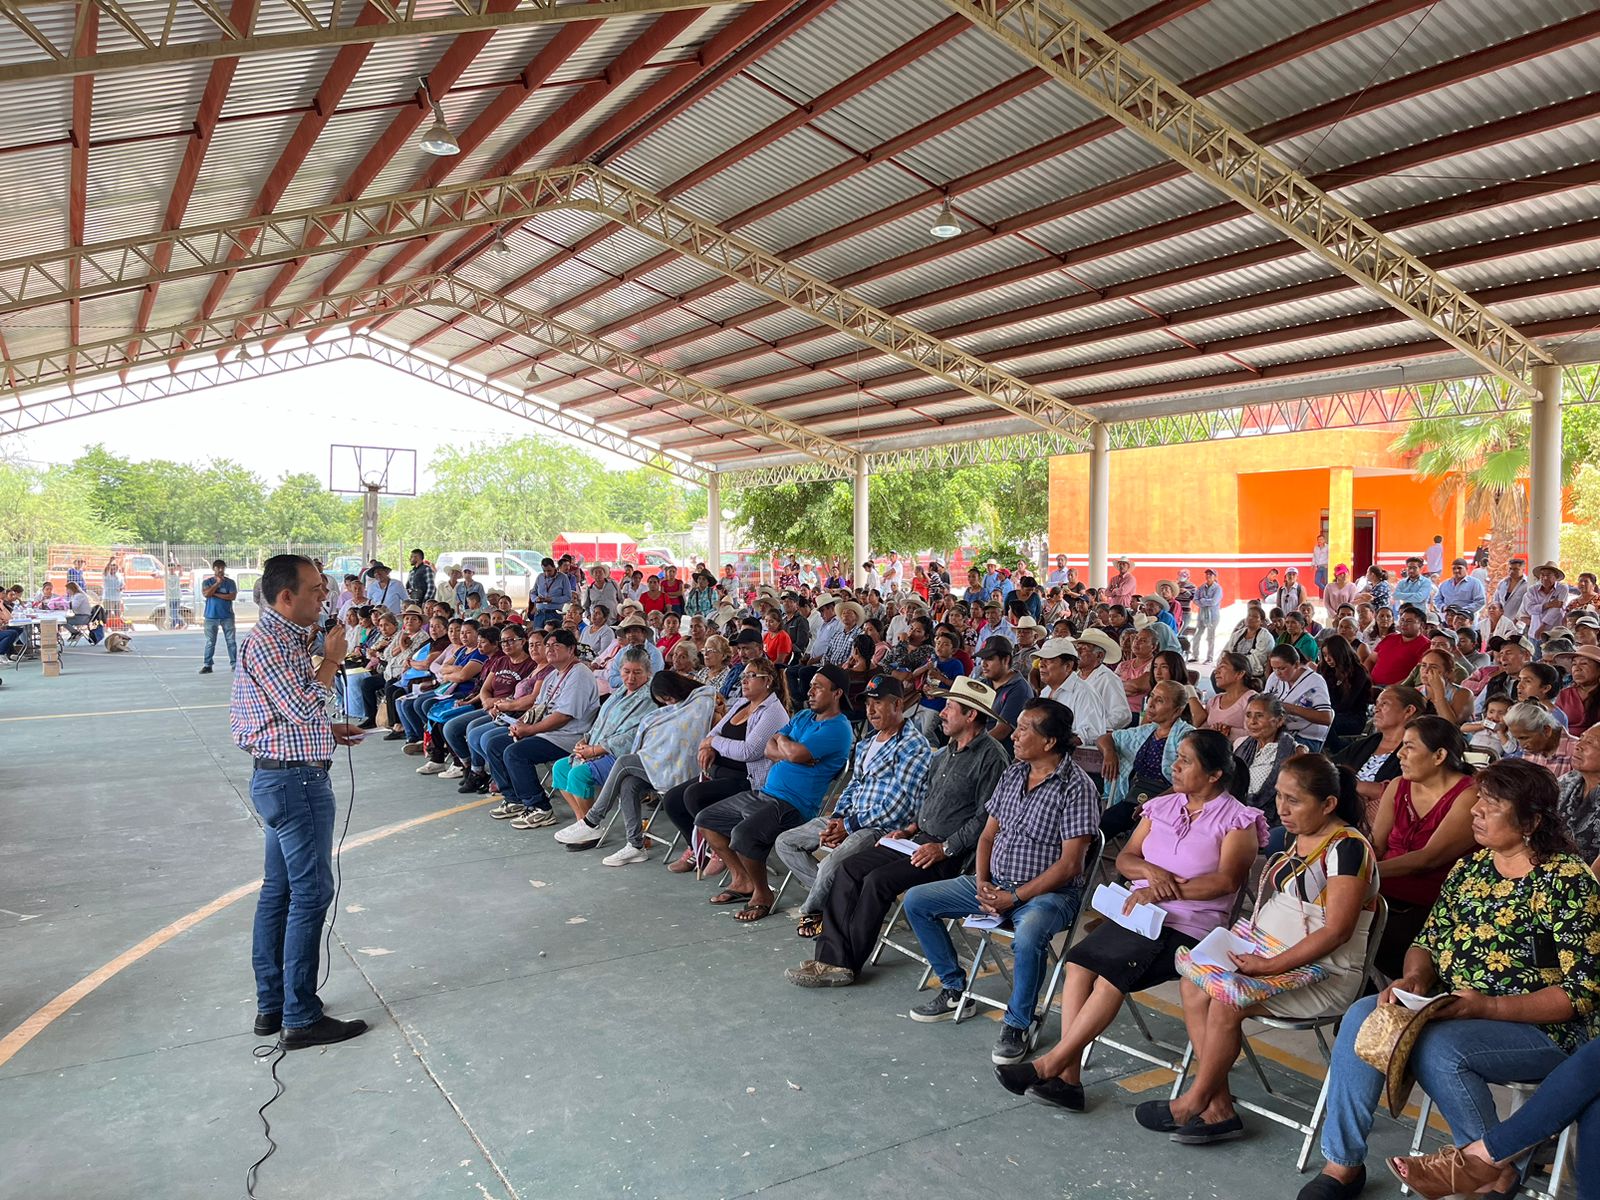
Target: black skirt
[[1129, 962]]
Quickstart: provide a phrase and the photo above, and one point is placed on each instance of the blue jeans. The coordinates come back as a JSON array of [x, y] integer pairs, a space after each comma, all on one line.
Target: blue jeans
[[1568, 1094], [9, 637], [1455, 1062], [296, 806], [1036, 922], [226, 625], [455, 730], [519, 781], [477, 733], [413, 711]]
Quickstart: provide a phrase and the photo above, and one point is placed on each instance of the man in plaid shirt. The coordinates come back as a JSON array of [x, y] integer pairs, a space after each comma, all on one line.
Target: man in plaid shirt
[[1029, 871], [885, 790], [419, 583], [279, 717]]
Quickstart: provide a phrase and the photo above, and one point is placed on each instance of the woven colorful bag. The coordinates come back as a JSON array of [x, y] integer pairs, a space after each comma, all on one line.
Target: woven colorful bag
[[1241, 991]]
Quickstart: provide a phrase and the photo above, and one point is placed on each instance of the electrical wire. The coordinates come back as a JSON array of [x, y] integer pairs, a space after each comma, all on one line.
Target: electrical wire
[[276, 1050]]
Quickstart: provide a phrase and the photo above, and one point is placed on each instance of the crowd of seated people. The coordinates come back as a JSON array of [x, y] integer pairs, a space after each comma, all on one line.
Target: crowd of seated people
[[959, 751]]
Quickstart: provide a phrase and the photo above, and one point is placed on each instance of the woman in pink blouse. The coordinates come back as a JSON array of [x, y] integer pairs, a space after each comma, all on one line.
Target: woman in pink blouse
[[1190, 855], [1225, 711]]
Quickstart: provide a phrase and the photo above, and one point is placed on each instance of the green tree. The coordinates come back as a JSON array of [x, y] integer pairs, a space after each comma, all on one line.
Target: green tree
[[300, 509], [1580, 539], [1007, 503], [1484, 460], [40, 507], [643, 500], [164, 501]]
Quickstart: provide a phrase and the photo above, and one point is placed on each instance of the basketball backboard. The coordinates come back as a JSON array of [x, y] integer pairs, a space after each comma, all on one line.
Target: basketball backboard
[[357, 469]]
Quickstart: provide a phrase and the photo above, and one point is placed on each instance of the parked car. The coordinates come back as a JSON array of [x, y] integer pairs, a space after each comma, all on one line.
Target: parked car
[[508, 573]]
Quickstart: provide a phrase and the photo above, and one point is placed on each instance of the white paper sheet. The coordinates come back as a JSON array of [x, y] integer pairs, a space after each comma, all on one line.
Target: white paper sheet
[[905, 845], [984, 921], [1214, 949], [1410, 999], [1146, 919]]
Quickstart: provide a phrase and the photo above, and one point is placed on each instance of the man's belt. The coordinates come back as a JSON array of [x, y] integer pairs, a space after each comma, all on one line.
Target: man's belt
[[292, 764]]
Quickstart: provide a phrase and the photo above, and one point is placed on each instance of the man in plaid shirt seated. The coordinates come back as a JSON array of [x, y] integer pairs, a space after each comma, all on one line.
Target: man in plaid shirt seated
[[279, 716], [1030, 871]]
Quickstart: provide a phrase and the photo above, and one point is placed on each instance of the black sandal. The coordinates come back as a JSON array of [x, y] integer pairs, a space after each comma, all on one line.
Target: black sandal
[[729, 896], [809, 927], [752, 912]]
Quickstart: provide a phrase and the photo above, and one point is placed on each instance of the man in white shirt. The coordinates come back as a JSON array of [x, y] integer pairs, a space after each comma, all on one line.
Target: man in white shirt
[[1058, 577], [894, 573], [1095, 685], [1546, 604], [1433, 559], [387, 590], [1511, 593]]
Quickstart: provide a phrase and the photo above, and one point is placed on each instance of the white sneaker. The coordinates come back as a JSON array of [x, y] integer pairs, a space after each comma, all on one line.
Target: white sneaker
[[431, 768], [627, 856], [453, 771], [577, 834]]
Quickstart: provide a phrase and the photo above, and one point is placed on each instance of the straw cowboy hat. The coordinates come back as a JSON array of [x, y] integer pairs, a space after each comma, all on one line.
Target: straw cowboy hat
[[974, 693], [633, 622], [1550, 566], [1103, 640], [1385, 1042]]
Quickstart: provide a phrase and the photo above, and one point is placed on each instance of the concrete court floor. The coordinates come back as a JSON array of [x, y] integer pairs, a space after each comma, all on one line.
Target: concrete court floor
[[543, 1026]]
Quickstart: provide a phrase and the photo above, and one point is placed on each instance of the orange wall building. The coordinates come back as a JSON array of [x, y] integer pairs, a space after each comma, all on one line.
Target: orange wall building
[[1242, 505]]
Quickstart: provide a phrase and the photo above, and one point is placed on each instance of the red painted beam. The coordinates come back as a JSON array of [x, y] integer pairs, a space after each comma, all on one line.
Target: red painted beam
[[1557, 237], [441, 78], [742, 42], [1553, 116], [1284, 51], [212, 98], [1491, 58], [660, 34], [78, 165]]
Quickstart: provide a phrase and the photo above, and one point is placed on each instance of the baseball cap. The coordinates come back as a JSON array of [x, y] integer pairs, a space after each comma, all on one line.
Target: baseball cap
[[997, 647], [747, 637], [1058, 647], [884, 687]]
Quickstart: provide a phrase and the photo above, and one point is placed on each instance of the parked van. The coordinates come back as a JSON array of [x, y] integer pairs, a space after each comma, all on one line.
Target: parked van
[[509, 573]]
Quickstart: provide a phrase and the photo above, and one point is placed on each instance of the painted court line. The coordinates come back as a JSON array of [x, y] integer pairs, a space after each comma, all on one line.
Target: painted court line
[[113, 712], [45, 1016]]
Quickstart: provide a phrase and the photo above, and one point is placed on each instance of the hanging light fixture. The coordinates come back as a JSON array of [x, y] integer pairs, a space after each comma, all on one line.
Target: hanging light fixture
[[500, 246], [946, 224], [438, 140]]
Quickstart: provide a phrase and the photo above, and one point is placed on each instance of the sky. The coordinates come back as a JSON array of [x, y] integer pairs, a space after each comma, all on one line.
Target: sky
[[286, 423]]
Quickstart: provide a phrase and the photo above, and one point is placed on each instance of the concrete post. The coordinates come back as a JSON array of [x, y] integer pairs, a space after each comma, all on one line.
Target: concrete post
[[369, 527], [1099, 506], [1341, 518], [1544, 469], [714, 524], [862, 532]]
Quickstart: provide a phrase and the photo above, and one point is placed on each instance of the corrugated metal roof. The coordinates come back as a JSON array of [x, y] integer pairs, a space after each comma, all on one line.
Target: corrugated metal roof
[[1086, 343]]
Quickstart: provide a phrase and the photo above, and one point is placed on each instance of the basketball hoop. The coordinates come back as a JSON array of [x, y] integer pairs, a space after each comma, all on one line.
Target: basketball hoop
[[371, 472]]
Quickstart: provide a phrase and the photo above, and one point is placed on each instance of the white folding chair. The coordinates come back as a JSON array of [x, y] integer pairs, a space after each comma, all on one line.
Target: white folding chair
[[1316, 1025], [1055, 955]]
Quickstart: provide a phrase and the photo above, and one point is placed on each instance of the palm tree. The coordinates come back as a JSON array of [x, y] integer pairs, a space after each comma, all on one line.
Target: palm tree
[[1483, 460]]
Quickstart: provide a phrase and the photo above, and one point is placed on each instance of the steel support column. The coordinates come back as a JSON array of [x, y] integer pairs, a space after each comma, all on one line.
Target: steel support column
[[861, 526], [714, 523], [1099, 505], [1544, 468]]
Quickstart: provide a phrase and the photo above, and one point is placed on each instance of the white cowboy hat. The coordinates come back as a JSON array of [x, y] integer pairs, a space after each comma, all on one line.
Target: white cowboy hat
[[1102, 641]]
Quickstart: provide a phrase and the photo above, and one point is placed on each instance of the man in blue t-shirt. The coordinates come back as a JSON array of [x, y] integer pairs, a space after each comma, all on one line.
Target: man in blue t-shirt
[[220, 592], [805, 756]]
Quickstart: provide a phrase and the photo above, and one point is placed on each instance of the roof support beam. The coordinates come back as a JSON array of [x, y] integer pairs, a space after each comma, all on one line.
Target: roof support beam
[[56, 407], [78, 167], [220, 336], [307, 29], [1058, 39], [1475, 396], [278, 237]]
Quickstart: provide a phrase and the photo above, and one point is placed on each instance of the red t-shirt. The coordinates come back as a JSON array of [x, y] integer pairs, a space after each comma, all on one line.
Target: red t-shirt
[[672, 589], [778, 646], [1395, 657], [656, 602]]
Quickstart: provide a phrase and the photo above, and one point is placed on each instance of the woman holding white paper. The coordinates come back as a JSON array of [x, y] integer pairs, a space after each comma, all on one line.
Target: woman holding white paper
[[1317, 897], [1189, 855]]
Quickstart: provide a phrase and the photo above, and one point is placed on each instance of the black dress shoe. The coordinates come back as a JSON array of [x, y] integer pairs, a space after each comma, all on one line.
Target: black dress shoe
[[369, 723], [1195, 1132], [267, 1024], [324, 1031], [392, 736], [1156, 1115], [205, 670], [1058, 1093], [1326, 1187], [1016, 1078]]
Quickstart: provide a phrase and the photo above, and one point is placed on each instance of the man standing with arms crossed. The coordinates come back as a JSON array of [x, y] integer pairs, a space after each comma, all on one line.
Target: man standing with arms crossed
[[279, 717], [220, 592]]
